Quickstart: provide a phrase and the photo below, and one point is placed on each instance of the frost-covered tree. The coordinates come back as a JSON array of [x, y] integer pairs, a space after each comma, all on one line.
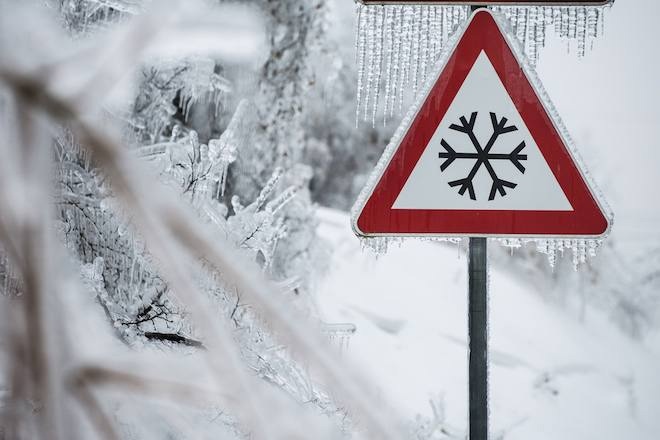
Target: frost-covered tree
[[146, 253], [181, 120], [295, 32]]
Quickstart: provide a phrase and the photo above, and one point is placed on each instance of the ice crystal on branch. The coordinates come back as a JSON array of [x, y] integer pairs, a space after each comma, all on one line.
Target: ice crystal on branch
[[482, 155], [83, 16]]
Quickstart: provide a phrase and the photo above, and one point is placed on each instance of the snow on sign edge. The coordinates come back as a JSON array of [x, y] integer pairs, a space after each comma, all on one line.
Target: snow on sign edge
[[410, 116]]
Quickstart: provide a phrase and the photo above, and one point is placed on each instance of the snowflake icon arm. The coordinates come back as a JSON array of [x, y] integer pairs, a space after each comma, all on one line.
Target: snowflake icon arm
[[467, 127], [515, 157], [466, 184], [450, 155], [499, 128], [498, 184]]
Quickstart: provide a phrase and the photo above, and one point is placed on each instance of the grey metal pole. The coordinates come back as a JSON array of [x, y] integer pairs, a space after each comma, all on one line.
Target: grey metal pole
[[478, 333], [478, 336]]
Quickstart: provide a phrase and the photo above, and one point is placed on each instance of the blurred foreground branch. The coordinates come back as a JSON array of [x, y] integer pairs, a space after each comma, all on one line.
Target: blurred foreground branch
[[42, 351]]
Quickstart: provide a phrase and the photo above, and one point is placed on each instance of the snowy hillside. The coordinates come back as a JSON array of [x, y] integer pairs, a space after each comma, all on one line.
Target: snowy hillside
[[552, 376]]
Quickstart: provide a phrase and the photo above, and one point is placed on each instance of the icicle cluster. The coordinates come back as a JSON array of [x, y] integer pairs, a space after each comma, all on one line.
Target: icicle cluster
[[581, 249], [339, 333], [199, 81], [578, 25], [82, 16], [224, 151], [379, 245], [396, 45], [395, 48]]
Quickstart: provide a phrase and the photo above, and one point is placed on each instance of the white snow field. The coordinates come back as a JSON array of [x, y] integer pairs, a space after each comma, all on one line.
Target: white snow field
[[552, 376]]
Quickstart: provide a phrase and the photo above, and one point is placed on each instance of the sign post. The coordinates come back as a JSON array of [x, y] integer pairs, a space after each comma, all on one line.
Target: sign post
[[482, 155], [478, 335]]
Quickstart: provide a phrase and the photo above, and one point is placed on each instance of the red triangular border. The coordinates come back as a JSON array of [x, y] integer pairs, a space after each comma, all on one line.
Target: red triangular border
[[376, 218]]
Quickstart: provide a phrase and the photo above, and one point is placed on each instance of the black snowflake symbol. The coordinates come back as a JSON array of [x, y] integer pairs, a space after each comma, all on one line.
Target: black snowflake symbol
[[483, 155]]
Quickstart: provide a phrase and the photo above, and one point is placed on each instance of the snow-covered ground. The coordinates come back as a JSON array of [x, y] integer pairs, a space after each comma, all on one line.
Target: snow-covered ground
[[552, 376]]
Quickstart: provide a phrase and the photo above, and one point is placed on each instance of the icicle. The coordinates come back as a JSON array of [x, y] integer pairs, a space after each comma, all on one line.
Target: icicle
[[426, 40], [582, 251], [439, 31], [358, 26], [574, 24], [414, 54], [360, 54], [511, 243], [581, 31], [530, 37], [544, 18], [434, 34], [574, 254], [380, 40], [454, 18], [389, 29], [398, 42], [378, 245], [371, 36], [538, 37], [224, 151], [525, 24], [341, 332], [405, 53], [552, 253], [462, 16], [445, 24], [369, 55], [592, 26], [562, 22]]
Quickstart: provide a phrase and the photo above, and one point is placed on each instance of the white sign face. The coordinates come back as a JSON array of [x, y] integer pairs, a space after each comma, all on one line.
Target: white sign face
[[482, 156]]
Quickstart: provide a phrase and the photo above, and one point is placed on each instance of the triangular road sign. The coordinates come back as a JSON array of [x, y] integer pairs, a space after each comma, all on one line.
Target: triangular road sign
[[480, 155]]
